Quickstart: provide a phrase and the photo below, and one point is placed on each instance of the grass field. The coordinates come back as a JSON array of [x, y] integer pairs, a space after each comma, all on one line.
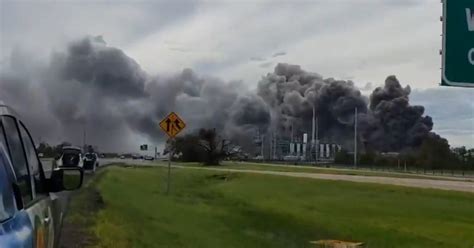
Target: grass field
[[211, 209]]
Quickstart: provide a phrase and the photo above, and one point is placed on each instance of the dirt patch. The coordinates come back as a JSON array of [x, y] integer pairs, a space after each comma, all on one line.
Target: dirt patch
[[222, 177], [77, 229], [336, 244]]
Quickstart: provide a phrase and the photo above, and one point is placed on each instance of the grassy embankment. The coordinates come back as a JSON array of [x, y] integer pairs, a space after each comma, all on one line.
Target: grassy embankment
[[219, 209]]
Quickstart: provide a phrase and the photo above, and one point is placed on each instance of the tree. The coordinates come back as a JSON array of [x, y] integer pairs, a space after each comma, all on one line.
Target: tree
[[187, 148], [215, 147], [46, 150], [367, 158], [343, 157], [435, 153], [205, 146]]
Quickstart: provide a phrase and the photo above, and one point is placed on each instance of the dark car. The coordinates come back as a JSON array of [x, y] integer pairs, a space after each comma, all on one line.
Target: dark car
[[91, 161], [31, 210]]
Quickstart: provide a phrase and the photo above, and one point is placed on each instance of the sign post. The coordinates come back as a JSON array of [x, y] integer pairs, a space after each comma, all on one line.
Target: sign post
[[168, 181], [171, 125], [458, 43]]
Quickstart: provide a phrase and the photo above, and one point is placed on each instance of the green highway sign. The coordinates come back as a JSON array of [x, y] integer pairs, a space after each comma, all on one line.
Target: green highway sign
[[458, 43]]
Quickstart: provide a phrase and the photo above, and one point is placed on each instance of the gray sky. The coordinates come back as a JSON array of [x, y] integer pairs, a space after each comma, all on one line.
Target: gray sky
[[361, 40]]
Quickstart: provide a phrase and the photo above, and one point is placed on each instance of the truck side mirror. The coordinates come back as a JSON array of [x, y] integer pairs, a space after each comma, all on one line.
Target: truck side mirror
[[66, 179]]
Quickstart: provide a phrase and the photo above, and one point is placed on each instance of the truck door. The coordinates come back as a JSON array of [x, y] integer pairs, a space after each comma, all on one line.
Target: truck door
[[16, 229], [30, 181], [42, 210]]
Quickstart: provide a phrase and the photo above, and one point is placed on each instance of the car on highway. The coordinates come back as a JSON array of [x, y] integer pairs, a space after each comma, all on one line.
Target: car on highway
[[91, 161], [31, 205], [71, 156], [149, 158]]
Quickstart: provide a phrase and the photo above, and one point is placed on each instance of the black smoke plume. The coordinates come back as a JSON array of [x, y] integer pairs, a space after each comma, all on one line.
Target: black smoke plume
[[94, 87], [390, 124]]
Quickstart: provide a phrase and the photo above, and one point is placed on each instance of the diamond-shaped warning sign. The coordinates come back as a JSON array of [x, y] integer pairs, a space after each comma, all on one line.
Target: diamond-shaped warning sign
[[172, 125]]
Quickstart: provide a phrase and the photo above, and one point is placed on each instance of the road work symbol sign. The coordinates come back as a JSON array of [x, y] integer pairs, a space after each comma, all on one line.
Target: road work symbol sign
[[172, 125], [458, 43]]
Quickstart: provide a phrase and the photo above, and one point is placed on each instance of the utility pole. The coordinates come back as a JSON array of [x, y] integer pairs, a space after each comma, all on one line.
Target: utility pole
[[312, 134], [355, 139], [84, 137], [274, 145], [317, 139]]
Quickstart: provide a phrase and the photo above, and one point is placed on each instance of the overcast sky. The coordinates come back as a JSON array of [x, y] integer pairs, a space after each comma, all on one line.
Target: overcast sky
[[361, 40]]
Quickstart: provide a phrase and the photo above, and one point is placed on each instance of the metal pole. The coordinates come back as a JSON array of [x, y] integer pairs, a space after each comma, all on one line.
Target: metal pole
[[317, 139], [270, 143], [169, 169], [355, 139], [312, 134], [84, 137], [274, 145]]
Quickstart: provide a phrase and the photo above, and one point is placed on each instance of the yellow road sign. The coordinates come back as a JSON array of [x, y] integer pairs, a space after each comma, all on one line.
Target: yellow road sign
[[172, 125]]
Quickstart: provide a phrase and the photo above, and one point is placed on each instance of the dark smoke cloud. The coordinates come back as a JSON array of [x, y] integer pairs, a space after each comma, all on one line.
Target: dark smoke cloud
[[99, 88], [93, 86], [93, 63], [390, 124], [394, 124], [293, 93]]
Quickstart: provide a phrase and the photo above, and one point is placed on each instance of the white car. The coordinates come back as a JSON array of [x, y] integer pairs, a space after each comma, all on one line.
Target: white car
[[70, 156]]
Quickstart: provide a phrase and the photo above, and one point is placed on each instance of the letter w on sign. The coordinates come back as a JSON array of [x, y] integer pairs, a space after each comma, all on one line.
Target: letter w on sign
[[470, 19]]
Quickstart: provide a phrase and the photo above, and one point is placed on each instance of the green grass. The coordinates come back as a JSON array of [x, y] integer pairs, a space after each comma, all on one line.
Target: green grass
[[312, 169], [217, 209]]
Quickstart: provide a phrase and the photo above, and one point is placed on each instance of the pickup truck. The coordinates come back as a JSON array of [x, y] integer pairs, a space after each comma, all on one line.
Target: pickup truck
[[31, 205]]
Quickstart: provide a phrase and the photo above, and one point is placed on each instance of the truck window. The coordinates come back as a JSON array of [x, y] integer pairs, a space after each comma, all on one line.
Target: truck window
[[33, 162], [7, 205], [17, 155]]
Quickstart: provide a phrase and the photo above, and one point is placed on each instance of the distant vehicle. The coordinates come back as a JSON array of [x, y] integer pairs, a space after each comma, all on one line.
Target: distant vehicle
[[31, 214], [71, 156], [259, 157], [149, 158], [91, 161], [122, 157], [291, 158], [134, 156]]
